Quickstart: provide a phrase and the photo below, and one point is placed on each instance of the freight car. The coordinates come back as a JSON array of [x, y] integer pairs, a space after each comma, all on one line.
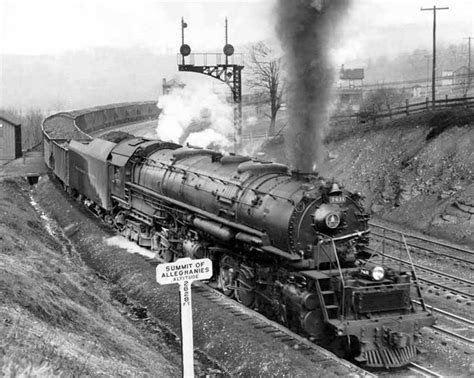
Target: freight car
[[291, 245]]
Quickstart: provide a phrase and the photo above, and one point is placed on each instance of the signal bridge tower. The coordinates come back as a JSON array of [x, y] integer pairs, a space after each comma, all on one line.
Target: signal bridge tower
[[226, 67]]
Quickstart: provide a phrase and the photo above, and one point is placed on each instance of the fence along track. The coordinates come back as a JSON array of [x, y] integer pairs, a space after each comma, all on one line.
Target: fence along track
[[409, 109], [373, 116]]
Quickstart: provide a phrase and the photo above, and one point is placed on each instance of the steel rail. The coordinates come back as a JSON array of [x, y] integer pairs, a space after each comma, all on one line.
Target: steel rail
[[458, 318], [269, 326], [424, 239], [426, 269], [422, 370], [423, 248], [452, 334], [447, 314], [436, 284], [447, 288]]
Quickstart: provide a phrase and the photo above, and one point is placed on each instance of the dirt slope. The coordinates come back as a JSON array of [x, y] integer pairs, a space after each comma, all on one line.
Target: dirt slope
[[56, 317], [416, 171]]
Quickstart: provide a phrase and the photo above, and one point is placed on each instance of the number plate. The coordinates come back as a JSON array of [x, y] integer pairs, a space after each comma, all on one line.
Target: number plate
[[337, 199]]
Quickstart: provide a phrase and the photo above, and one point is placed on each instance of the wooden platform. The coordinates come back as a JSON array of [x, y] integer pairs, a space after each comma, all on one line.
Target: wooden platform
[[30, 165]]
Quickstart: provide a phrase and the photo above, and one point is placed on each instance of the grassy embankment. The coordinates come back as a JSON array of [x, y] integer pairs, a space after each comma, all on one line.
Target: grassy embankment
[[57, 318]]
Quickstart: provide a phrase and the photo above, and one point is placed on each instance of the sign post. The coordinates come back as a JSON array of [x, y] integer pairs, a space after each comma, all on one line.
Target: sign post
[[184, 272]]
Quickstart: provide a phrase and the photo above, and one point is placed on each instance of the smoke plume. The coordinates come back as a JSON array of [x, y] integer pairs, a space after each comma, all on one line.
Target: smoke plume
[[196, 115], [307, 30]]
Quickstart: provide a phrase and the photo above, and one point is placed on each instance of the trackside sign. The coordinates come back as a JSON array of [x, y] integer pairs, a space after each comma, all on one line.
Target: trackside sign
[[184, 272]]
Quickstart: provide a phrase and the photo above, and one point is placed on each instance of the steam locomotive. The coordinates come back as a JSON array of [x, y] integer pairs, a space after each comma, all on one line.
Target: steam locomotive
[[291, 245]]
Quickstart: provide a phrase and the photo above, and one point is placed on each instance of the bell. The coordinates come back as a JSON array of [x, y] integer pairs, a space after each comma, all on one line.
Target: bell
[[335, 189]]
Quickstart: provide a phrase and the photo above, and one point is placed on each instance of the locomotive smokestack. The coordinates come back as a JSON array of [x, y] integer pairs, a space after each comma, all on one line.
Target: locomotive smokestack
[[306, 29]]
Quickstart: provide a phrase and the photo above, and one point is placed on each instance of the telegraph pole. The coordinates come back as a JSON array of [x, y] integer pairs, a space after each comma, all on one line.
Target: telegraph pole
[[427, 57], [433, 79], [469, 63]]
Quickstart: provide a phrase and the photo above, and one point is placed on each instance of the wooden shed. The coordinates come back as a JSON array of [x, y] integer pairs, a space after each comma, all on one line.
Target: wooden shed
[[10, 139]]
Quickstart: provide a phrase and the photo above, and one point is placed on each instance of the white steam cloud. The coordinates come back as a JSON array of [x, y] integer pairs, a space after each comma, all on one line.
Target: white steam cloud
[[196, 115]]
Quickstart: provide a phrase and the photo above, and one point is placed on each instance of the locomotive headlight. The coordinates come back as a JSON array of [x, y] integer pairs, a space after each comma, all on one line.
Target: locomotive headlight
[[332, 220], [377, 273]]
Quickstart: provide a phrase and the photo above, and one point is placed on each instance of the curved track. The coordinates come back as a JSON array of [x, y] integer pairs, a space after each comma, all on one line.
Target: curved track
[[281, 334], [250, 318]]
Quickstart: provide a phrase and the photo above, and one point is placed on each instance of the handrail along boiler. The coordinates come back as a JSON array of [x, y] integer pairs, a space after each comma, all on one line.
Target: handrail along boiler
[[288, 244]]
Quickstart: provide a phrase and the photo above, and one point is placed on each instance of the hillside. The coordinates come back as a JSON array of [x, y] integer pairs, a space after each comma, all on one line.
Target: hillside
[[57, 317], [415, 171]]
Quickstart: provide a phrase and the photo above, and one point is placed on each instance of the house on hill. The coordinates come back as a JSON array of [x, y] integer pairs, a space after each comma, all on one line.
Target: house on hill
[[351, 78], [349, 89], [10, 139], [447, 78], [461, 76]]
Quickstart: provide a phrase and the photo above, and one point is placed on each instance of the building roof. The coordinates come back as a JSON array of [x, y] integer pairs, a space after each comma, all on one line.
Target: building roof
[[9, 119], [461, 69], [352, 74]]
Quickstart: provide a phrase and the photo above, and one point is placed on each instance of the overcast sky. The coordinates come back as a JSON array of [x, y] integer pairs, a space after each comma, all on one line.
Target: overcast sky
[[372, 27]]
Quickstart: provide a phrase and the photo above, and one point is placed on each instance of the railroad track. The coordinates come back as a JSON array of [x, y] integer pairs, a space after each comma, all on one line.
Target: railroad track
[[425, 245], [435, 278], [438, 279], [422, 370], [453, 318], [255, 320], [262, 324]]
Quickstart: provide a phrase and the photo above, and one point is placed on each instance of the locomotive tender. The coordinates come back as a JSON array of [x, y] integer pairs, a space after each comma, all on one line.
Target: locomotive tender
[[287, 244]]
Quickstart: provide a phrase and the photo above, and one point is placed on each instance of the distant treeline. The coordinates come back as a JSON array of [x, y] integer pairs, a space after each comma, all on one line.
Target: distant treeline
[[416, 64], [84, 78]]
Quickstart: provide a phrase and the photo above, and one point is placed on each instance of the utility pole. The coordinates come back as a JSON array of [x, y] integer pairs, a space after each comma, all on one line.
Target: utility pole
[[469, 75], [433, 79], [427, 57]]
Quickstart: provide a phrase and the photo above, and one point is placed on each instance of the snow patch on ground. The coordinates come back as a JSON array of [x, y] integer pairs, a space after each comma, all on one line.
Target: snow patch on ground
[[131, 247], [48, 222]]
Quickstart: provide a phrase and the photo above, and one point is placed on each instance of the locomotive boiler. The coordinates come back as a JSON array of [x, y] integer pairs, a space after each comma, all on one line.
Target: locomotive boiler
[[291, 245]]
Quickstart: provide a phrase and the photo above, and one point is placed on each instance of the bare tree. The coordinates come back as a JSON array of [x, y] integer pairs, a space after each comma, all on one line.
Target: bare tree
[[383, 97], [265, 78]]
